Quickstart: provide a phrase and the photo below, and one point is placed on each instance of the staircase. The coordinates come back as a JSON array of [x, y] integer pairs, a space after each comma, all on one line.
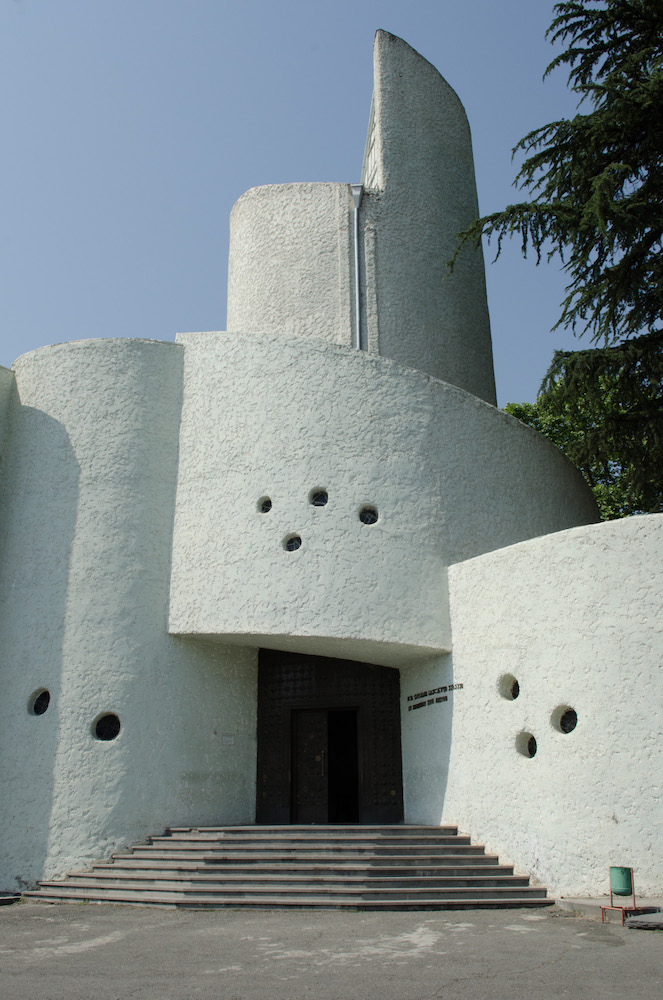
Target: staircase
[[360, 867]]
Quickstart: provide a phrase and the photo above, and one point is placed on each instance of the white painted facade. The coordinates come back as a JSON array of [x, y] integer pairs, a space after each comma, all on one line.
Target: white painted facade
[[574, 618], [450, 477], [88, 487], [148, 493]]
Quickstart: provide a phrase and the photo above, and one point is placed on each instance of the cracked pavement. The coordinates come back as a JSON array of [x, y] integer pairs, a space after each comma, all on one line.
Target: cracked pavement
[[79, 951]]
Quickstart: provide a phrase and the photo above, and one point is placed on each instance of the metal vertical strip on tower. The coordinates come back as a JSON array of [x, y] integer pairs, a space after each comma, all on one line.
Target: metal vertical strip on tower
[[357, 191]]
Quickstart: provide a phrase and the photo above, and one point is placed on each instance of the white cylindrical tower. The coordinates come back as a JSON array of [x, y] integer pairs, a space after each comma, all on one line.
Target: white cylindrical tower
[[110, 728]]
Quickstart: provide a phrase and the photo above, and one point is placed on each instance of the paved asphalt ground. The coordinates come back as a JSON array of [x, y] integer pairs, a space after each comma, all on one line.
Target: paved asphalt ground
[[105, 952]]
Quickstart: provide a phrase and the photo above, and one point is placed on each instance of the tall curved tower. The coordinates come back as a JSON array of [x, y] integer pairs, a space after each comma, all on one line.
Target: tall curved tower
[[292, 254]]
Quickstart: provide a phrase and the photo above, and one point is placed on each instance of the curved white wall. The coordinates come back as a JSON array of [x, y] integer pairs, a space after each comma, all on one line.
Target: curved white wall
[[449, 475], [576, 618], [290, 267], [87, 514]]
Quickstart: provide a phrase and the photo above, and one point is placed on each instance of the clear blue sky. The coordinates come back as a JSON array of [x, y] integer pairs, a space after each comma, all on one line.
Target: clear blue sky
[[130, 127]]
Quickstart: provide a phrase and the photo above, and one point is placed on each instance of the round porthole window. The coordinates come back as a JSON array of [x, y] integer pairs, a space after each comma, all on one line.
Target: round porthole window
[[292, 542], [526, 744], [264, 505], [508, 687], [564, 719], [39, 701], [318, 498], [107, 727], [368, 515]]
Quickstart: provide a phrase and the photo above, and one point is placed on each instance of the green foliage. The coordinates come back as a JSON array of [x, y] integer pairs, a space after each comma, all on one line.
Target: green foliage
[[596, 182], [603, 408], [597, 179]]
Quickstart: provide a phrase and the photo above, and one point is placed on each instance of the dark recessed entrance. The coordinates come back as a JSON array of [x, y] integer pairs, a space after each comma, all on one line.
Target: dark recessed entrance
[[329, 748], [325, 766]]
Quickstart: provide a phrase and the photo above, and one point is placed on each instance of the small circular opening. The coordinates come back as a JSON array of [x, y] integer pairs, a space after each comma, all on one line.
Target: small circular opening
[[368, 515], [526, 744], [39, 701], [508, 687], [318, 497], [564, 719], [292, 543], [107, 727], [264, 505]]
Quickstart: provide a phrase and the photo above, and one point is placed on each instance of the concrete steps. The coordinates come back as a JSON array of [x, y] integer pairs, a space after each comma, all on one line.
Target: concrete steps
[[380, 867]]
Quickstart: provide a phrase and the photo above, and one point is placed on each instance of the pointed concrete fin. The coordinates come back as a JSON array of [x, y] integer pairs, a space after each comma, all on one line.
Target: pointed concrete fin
[[418, 174], [412, 111]]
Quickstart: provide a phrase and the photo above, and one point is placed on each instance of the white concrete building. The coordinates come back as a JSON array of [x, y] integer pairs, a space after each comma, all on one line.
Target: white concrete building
[[320, 519]]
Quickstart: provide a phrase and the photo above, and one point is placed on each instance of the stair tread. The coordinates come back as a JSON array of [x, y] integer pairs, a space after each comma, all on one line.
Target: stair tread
[[344, 889], [310, 843], [306, 860], [312, 829], [131, 863], [297, 880], [289, 850], [323, 901]]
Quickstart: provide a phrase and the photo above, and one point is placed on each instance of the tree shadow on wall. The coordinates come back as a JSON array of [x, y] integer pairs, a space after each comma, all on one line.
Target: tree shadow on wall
[[427, 703], [39, 478]]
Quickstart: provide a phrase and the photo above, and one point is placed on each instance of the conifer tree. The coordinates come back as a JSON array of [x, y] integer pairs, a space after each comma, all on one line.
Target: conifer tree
[[596, 182], [602, 408]]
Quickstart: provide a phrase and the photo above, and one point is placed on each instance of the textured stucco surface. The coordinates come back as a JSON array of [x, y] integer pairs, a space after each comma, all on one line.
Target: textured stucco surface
[[425, 194], [290, 266], [577, 619], [86, 517], [426, 733], [450, 476], [291, 263]]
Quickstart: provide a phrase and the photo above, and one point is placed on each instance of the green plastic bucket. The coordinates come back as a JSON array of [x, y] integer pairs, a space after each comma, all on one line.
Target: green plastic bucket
[[621, 882]]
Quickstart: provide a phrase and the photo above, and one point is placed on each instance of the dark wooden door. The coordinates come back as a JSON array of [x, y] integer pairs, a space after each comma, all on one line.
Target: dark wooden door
[[356, 707], [310, 766], [324, 766]]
